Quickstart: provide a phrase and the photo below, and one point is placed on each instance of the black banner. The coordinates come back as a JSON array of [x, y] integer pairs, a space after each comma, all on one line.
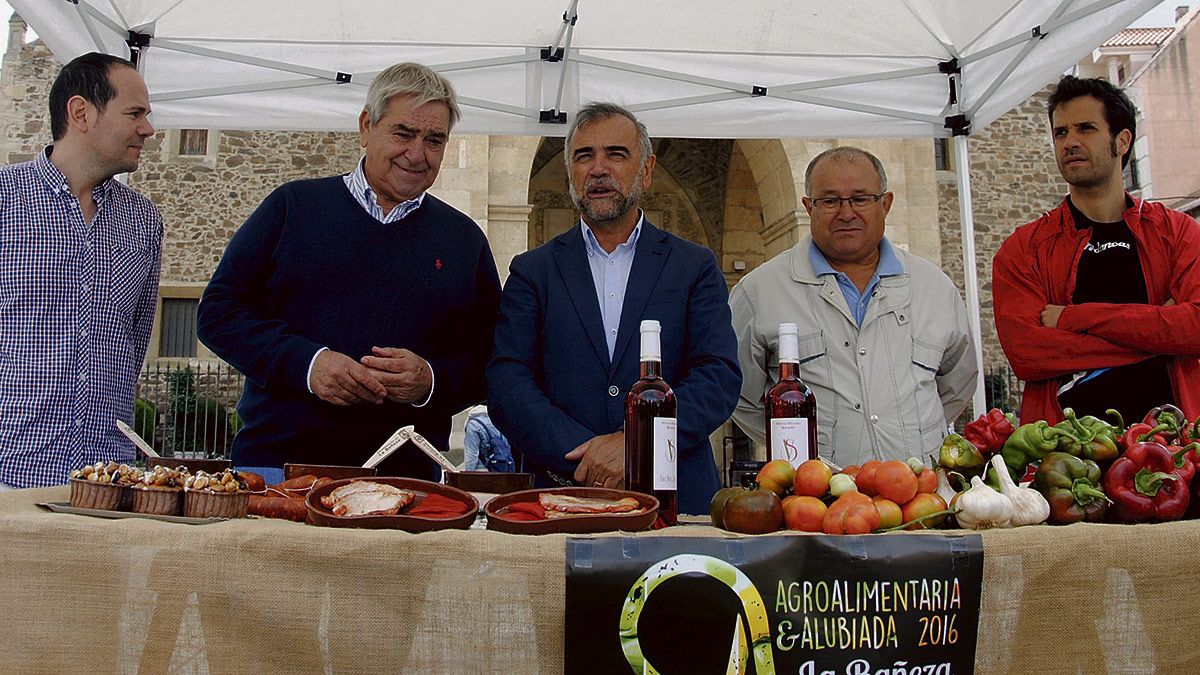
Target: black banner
[[814, 605]]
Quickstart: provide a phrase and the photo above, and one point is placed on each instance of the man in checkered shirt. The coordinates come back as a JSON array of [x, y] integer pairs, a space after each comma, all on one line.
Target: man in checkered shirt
[[79, 264]]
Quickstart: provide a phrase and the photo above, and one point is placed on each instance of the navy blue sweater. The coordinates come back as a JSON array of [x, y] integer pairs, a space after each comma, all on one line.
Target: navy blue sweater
[[310, 269]]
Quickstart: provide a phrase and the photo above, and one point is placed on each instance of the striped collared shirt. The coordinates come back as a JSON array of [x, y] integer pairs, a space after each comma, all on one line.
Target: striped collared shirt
[[356, 182], [77, 304]]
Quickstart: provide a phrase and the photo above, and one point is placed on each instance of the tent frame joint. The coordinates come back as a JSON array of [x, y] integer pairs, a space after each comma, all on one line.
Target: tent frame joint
[[552, 55], [552, 117], [343, 78], [950, 67], [137, 42], [1037, 33], [756, 90], [958, 125]]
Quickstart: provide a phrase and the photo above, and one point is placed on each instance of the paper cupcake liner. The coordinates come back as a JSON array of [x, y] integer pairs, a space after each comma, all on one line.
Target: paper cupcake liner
[[87, 494], [202, 504], [157, 502]]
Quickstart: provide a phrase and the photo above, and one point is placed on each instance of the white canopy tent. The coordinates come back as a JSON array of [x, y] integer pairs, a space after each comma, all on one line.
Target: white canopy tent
[[688, 68]]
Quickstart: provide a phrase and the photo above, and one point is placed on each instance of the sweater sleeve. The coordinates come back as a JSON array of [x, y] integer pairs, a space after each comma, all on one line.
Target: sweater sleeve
[[232, 320]]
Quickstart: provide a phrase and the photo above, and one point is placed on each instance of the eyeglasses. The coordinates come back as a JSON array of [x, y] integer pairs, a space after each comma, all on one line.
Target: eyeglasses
[[857, 202]]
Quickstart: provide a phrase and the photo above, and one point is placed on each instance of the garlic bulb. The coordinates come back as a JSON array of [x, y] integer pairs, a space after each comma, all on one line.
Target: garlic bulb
[[982, 507], [1029, 506]]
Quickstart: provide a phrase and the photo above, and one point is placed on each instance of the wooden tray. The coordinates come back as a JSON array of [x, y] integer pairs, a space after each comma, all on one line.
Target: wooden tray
[[489, 482], [319, 515], [334, 471], [65, 507], [586, 524]]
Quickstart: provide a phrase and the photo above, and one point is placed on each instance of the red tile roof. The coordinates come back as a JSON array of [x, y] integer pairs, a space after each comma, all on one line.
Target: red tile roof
[[1136, 37]]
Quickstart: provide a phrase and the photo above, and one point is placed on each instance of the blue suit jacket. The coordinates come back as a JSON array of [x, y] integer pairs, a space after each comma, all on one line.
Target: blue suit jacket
[[551, 384]]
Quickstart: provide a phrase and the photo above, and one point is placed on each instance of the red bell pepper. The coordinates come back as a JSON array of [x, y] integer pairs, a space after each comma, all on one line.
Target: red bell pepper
[[989, 432], [1144, 485], [1169, 415], [1142, 432], [1191, 433], [1184, 466]]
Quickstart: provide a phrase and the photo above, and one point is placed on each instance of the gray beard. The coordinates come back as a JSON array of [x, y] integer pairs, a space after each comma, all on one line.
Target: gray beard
[[593, 212], [596, 212]]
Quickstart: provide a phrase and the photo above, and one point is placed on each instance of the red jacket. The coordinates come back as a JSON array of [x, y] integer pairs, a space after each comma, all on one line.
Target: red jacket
[[1036, 266]]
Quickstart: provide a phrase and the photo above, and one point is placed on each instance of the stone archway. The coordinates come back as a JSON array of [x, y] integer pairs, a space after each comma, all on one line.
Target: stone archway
[[508, 207], [686, 196]]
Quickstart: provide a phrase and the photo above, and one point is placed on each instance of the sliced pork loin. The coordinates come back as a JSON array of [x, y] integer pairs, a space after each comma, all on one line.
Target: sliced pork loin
[[367, 498]]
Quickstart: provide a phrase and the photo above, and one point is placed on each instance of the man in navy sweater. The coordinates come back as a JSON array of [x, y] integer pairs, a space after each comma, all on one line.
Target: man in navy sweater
[[357, 304]]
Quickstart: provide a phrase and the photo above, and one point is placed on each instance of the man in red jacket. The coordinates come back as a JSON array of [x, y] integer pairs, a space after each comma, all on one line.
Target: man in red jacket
[[1097, 302]]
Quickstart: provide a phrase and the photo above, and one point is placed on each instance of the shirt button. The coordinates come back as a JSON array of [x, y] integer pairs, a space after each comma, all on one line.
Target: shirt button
[[613, 391], [862, 351], [83, 332], [874, 419], [858, 406], [78, 423]]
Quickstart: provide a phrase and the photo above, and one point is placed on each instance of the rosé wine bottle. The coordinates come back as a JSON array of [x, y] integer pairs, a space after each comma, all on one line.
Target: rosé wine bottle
[[651, 449]]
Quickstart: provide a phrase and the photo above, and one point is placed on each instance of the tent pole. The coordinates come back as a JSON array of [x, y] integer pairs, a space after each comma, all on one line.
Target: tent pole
[[962, 169]]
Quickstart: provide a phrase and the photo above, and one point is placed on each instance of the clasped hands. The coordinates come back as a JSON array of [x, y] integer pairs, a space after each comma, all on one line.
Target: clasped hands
[[389, 374]]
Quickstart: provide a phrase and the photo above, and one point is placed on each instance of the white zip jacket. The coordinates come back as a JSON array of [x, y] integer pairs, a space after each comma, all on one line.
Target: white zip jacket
[[887, 390]]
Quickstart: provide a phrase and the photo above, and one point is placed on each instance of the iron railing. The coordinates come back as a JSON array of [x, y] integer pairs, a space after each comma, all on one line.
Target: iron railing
[[189, 410]]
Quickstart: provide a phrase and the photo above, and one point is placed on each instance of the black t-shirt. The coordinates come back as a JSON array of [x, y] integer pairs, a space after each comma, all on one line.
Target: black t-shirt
[[1110, 271]]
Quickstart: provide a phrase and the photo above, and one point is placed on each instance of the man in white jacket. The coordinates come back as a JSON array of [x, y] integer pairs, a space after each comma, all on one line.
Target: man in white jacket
[[884, 340]]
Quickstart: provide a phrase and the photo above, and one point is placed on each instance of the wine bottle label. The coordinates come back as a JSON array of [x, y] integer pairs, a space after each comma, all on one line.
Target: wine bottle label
[[789, 439], [665, 453]]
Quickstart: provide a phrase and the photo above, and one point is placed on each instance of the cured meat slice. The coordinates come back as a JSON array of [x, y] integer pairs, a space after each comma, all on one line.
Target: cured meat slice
[[365, 498], [557, 505]]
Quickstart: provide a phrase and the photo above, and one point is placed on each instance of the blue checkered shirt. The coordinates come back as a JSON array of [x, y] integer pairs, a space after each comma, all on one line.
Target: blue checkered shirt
[[77, 304]]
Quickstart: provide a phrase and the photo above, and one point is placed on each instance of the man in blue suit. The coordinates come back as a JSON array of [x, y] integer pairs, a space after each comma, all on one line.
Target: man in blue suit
[[566, 344]]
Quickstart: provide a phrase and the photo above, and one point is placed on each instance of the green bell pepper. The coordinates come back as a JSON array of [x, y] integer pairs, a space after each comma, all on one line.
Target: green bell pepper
[[1030, 443], [957, 453], [1088, 437]]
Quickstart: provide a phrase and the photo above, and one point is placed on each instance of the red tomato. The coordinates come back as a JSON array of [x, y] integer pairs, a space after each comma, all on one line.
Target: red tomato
[[812, 478], [803, 513], [777, 476]]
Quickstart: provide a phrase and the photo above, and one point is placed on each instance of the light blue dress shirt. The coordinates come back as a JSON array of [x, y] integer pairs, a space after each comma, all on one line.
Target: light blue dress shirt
[[889, 266], [610, 275]]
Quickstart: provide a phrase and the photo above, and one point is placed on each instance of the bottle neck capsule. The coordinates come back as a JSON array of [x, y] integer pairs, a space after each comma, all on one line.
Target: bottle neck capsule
[[789, 370], [651, 369]]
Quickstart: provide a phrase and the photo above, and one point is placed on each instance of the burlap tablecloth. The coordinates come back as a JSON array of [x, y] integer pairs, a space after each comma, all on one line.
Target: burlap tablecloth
[[95, 595]]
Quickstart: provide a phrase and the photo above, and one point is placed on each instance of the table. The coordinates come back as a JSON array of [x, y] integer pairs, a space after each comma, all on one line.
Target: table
[[88, 594]]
